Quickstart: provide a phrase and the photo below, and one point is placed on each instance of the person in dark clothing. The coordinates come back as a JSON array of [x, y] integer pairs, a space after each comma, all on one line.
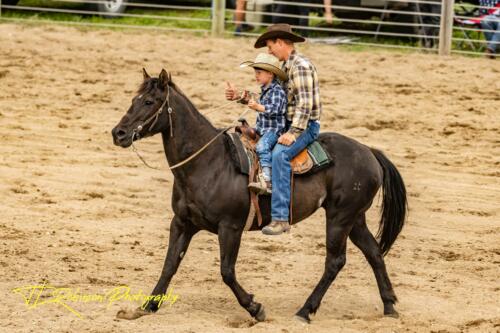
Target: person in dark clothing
[[302, 11], [431, 20]]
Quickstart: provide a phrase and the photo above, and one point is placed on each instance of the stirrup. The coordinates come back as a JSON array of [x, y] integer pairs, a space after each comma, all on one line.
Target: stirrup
[[260, 187]]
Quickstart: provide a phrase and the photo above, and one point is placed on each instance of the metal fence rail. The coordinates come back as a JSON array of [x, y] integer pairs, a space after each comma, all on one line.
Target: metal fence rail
[[92, 12], [179, 14], [352, 31], [269, 14], [136, 4], [106, 25], [20, 6], [431, 25]]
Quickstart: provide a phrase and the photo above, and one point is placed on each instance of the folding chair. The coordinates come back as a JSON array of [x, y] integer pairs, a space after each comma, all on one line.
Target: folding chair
[[474, 22], [465, 26]]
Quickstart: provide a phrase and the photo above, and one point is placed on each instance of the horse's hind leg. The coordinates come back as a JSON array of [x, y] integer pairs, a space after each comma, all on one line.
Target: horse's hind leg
[[229, 241], [337, 230], [181, 233], [364, 240]]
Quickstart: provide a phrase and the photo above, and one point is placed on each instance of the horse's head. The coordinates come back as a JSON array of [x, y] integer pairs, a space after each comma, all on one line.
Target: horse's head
[[147, 114]]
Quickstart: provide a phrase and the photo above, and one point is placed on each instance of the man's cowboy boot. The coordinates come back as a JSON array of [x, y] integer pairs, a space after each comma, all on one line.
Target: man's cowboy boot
[[276, 228]]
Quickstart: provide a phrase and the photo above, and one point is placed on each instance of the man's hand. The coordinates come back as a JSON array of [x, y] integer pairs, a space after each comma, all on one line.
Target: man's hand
[[231, 92], [286, 139]]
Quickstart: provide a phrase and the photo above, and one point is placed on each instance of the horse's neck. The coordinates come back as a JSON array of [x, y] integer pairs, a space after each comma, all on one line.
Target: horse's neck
[[190, 132]]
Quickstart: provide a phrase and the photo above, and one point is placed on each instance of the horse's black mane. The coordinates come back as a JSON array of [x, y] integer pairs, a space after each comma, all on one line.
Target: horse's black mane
[[153, 83]]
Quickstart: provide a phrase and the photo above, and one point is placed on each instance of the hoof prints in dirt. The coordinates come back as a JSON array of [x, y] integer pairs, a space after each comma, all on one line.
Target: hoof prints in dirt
[[7, 232]]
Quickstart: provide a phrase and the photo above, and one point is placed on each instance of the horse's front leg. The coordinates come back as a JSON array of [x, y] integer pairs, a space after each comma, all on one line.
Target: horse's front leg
[[229, 242], [181, 233]]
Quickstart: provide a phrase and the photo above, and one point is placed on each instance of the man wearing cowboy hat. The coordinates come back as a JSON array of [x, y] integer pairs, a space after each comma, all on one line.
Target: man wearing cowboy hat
[[303, 114]]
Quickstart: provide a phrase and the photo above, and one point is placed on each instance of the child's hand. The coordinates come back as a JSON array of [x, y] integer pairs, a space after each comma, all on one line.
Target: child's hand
[[252, 104]]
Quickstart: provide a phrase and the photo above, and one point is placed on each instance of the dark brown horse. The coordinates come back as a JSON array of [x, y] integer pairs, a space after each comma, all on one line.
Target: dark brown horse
[[210, 194]]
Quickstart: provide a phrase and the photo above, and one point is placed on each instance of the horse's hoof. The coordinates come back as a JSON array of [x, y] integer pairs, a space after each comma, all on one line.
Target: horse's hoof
[[132, 314], [392, 314], [389, 310], [302, 319], [261, 315]]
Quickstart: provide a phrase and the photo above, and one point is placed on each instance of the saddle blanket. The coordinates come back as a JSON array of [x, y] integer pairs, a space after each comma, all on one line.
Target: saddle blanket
[[311, 159]]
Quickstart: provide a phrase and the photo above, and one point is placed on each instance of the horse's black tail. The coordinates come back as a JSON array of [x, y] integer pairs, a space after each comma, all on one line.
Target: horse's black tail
[[394, 203]]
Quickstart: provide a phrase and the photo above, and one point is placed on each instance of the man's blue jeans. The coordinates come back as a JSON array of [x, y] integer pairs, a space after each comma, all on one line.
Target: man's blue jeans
[[281, 171], [490, 22]]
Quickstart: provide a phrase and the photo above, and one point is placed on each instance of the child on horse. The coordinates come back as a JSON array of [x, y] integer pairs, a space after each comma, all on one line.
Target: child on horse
[[271, 106]]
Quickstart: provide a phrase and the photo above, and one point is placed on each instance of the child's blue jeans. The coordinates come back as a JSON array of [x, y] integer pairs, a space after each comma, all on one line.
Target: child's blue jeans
[[264, 151]]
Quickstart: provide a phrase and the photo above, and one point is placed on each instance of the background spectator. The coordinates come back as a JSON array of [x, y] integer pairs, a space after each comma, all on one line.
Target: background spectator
[[302, 11], [491, 22], [240, 17], [430, 20]]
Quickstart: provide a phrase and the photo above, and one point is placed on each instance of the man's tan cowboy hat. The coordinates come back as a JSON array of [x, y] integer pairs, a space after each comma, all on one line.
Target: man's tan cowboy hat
[[268, 63], [280, 30]]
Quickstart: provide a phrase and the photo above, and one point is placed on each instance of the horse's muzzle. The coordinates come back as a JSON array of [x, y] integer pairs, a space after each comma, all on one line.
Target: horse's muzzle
[[121, 137]]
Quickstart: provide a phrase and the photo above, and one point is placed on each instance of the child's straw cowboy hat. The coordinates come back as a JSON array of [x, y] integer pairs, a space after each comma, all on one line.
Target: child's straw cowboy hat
[[268, 63]]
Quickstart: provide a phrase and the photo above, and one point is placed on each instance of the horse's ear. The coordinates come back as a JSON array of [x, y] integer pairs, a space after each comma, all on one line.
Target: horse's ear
[[165, 78], [145, 74]]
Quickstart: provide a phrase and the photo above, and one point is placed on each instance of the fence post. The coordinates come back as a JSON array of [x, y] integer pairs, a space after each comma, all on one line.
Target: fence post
[[218, 13], [446, 29]]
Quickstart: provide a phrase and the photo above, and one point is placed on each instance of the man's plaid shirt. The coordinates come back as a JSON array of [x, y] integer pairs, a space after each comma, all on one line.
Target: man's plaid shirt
[[303, 91], [273, 119]]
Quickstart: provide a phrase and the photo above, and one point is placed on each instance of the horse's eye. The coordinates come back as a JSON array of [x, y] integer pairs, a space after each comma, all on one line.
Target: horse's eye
[[148, 102]]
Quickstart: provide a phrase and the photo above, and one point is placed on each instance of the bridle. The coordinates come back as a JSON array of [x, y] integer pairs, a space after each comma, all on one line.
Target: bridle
[[154, 117]]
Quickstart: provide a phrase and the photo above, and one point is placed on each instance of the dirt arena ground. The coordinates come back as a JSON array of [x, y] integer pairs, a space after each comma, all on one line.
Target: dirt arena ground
[[80, 213]]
